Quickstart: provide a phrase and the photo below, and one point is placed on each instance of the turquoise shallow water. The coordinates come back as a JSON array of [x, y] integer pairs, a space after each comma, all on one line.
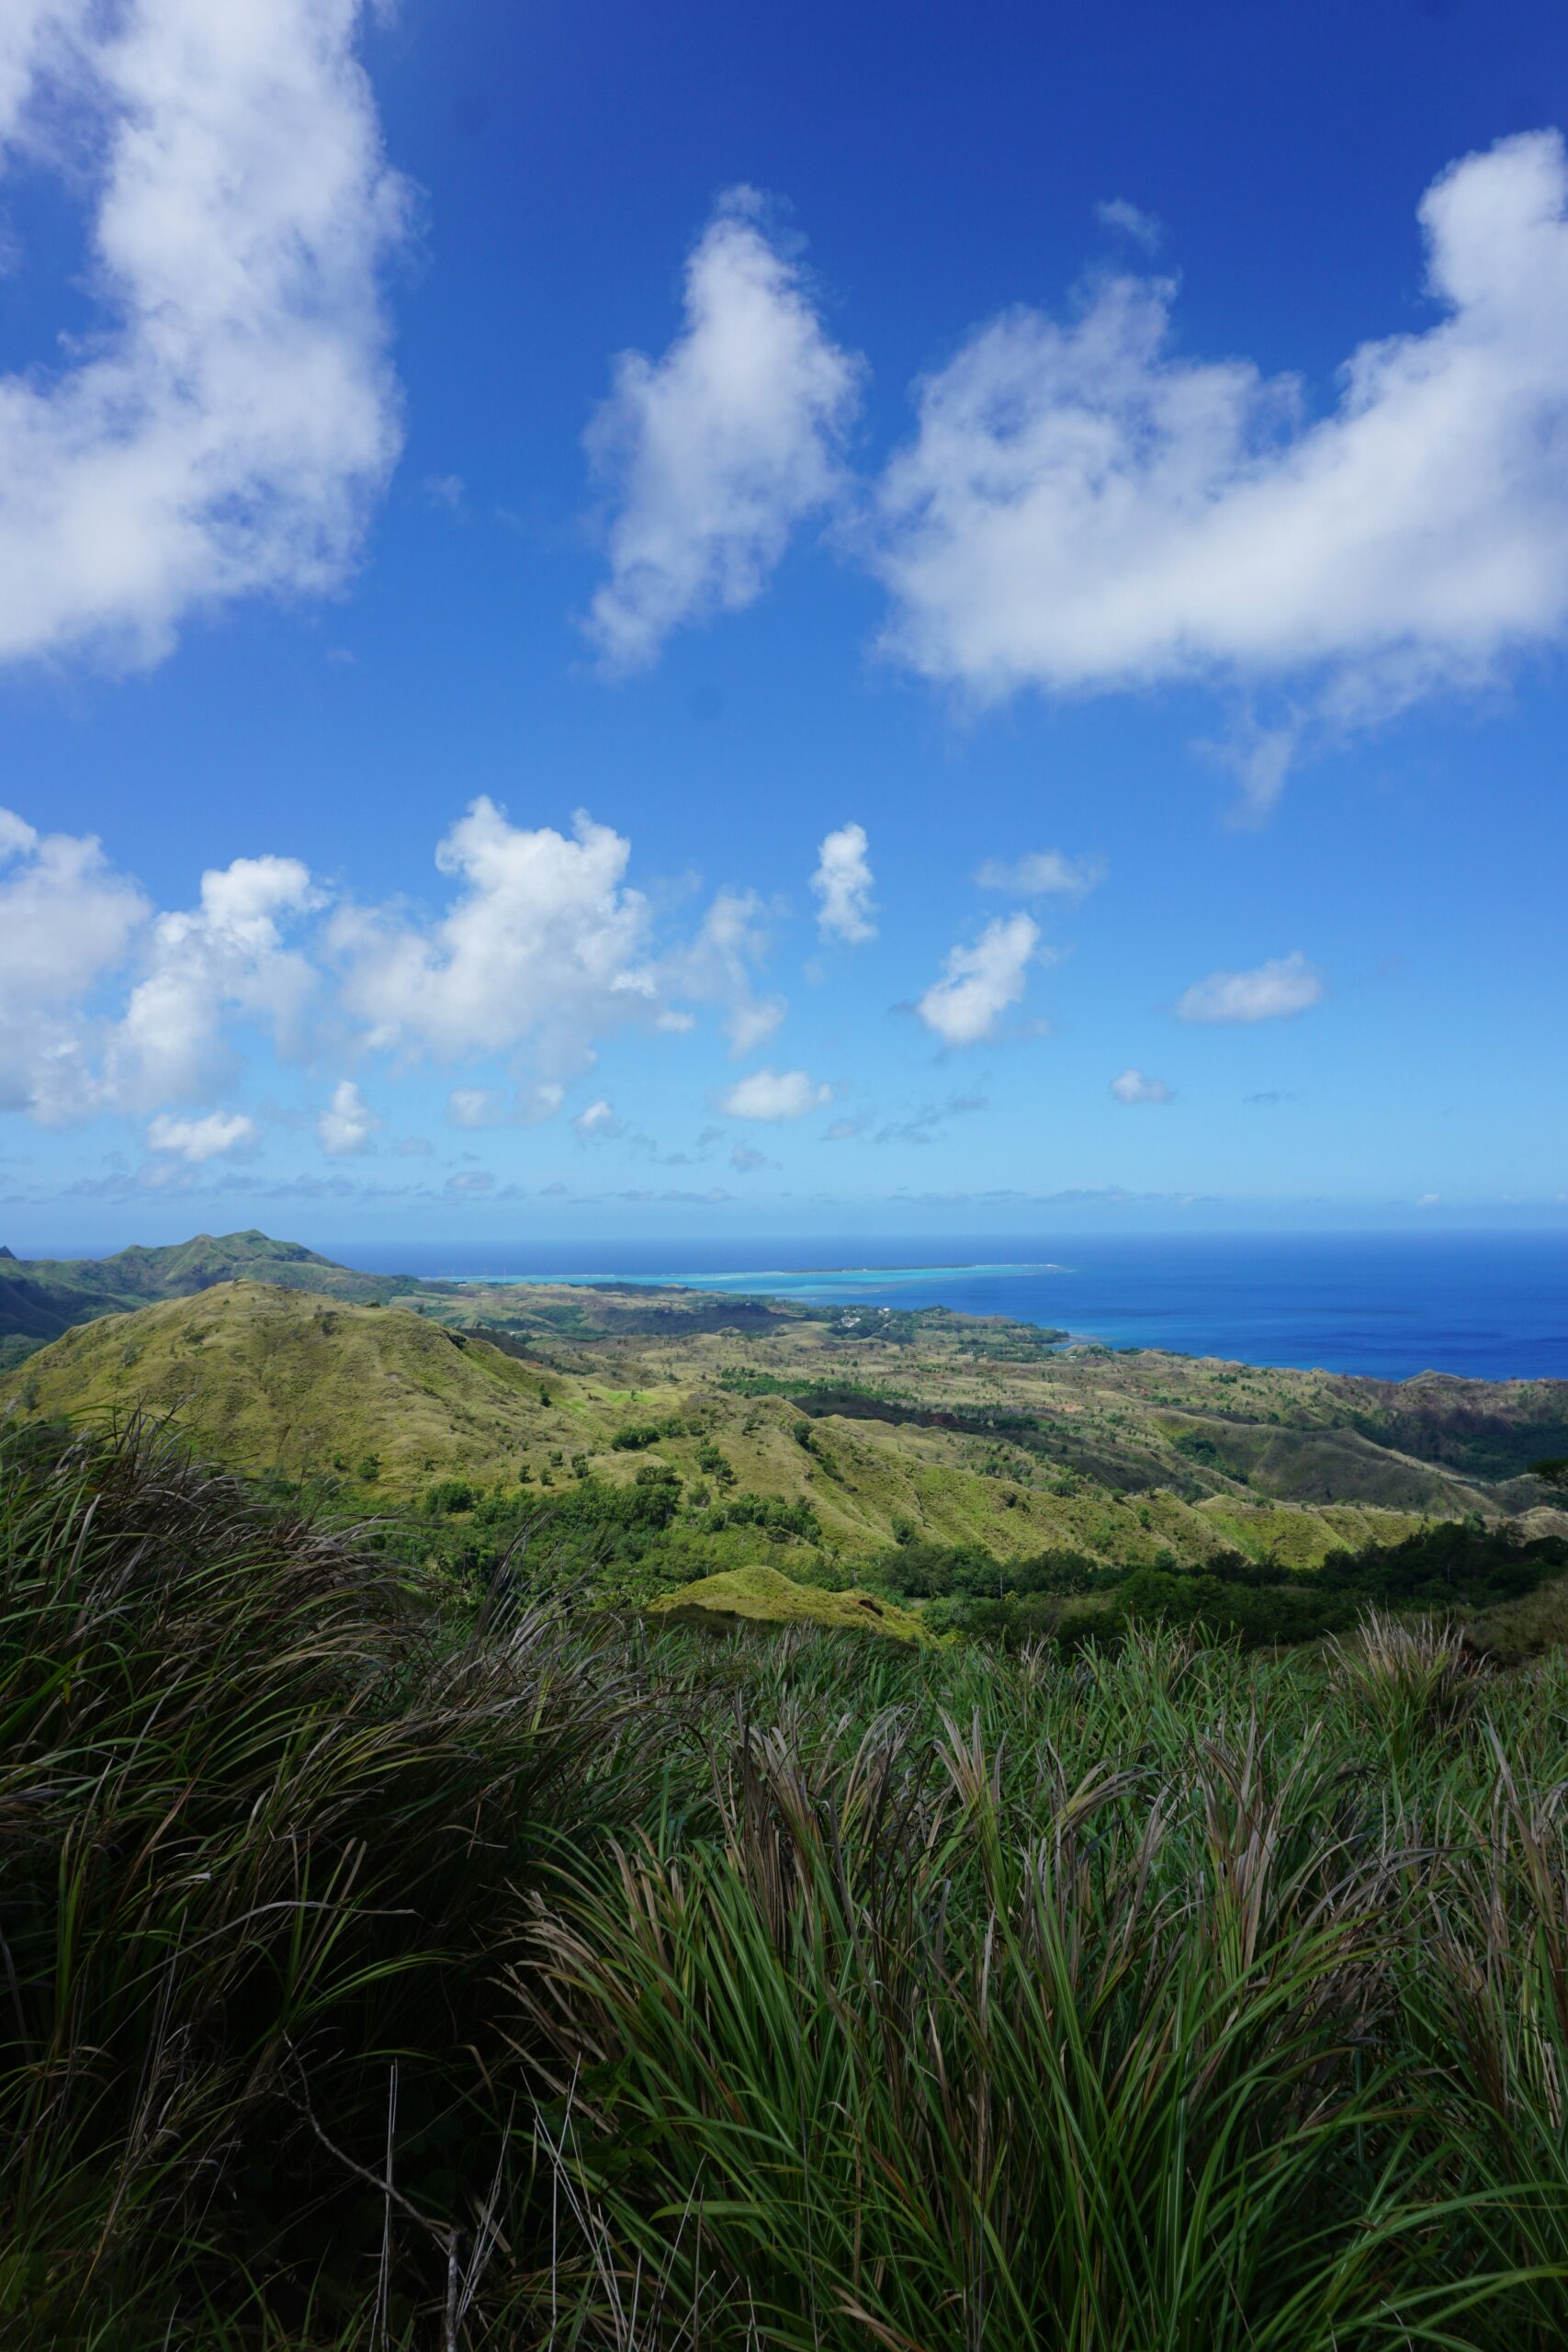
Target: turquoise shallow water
[[1493, 1305]]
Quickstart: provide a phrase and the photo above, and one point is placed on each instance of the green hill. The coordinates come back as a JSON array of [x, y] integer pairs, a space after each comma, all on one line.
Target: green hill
[[41, 1297], [271, 1378], [265, 1377]]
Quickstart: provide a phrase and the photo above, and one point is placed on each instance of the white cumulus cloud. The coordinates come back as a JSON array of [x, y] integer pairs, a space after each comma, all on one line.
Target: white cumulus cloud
[[228, 423], [712, 453], [1084, 508], [1268, 992], [67, 920], [979, 983], [347, 1124], [540, 954], [200, 1139], [225, 956], [543, 944], [842, 885], [1133, 1086], [774, 1094]]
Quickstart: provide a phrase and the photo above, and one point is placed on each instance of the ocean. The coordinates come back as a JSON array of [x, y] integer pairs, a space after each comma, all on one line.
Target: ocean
[[1492, 1305]]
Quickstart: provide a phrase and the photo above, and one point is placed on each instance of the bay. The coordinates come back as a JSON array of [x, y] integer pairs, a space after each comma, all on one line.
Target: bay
[[1493, 1305]]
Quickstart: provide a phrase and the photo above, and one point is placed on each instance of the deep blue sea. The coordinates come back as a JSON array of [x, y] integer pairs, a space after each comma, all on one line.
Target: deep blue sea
[[1494, 1305]]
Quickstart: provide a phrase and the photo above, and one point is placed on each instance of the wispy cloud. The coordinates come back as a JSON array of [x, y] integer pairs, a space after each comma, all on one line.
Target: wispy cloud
[[1134, 1086], [721, 964], [1124, 218], [1042, 874], [924, 1125], [747, 1160], [1268, 992], [979, 983]]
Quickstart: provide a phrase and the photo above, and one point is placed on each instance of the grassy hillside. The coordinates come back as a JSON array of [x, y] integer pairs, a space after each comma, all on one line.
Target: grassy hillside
[[910, 1411], [390, 1399], [1127, 1462], [264, 1378], [807, 1441], [41, 1297], [763, 1596]]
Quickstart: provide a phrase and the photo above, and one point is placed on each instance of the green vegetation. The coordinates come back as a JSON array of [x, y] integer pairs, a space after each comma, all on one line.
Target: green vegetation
[[1014, 1501], [258, 1803], [744, 1381], [39, 1298], [863, 1419], [632, 1439], [389, 1963], [271, 1378], [766, 1597], [469, 1879], [1454, 1570]]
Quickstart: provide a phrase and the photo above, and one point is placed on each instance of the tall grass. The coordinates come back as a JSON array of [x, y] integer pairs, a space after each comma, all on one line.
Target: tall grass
[[384, 1969], [260, 1815], [1124, 2005]]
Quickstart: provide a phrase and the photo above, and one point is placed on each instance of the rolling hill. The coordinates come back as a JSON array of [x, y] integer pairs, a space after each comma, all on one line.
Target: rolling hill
[[41, 1297], [265, 1377], [923, 1436]]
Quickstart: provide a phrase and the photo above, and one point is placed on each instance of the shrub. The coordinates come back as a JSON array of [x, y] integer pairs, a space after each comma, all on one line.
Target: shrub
[[449, 1495], [767, 1513]]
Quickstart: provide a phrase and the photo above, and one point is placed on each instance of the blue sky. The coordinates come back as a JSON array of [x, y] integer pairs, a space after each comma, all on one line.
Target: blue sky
[[1037, 546]]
